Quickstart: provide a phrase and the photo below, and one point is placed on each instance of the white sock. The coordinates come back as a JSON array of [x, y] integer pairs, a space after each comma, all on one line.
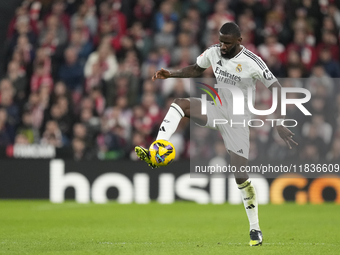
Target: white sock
[[249, 198], [170, 122]]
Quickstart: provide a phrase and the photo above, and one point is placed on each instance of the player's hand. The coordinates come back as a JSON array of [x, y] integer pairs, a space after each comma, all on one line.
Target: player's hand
[[286, 135], [161, 74]]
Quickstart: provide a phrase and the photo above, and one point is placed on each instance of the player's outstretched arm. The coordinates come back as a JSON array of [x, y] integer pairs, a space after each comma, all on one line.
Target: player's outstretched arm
[[186, 72], [283, 132]]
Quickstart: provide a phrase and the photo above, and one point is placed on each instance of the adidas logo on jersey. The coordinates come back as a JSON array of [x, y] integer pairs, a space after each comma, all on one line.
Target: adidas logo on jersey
[[240, 151], [250, 206], [162, 129], [219, 63]]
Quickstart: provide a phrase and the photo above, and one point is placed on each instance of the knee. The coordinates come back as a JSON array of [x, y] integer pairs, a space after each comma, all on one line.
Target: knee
[[184, 103], [240, 180]]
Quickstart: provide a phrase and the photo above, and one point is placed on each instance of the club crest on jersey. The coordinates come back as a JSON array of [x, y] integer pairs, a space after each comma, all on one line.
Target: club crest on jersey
[[239, 68]]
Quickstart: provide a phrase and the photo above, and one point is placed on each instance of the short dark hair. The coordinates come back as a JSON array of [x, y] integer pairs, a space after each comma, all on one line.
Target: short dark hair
[[230, 28]]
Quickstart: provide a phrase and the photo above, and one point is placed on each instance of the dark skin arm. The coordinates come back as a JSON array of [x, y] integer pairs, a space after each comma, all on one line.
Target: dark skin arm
[[186, 72], [284, 132]]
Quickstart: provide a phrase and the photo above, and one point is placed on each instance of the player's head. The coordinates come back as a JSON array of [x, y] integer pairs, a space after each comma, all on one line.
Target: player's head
[[230, 39]]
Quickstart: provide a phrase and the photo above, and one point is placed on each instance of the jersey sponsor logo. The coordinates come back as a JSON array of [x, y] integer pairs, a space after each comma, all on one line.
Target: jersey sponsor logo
[[219, 63], [162, 129], [268, 75], [239, 68], [226, 77], [240, 151], [166, 121]]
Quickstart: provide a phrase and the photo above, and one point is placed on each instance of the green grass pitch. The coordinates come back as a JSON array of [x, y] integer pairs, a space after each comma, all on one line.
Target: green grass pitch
[[39, 227]]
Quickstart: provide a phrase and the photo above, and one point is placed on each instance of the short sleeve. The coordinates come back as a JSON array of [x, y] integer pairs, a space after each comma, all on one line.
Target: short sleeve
[[203, 60], [263, 73]]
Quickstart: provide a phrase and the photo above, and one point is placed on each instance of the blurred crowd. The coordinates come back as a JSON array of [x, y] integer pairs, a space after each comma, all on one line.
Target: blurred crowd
[[78, 73]]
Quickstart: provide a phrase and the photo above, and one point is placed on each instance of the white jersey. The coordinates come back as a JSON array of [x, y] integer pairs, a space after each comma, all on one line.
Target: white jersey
[[242, 71]]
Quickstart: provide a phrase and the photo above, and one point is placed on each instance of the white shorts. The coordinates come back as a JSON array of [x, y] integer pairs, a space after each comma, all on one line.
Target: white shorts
[[236, 137]]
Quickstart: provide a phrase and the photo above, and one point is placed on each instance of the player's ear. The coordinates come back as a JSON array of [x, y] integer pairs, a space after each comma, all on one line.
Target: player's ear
[[239, 40]]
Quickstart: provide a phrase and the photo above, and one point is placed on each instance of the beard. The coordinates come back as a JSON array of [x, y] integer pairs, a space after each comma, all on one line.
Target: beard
[[230, 53]]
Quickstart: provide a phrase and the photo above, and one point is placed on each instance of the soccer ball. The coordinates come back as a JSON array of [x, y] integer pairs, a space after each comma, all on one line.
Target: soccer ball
[[162, 153]]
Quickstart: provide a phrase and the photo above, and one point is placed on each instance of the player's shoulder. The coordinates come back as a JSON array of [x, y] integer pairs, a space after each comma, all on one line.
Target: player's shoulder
[[256, 61], [211, 52], [214, 48]]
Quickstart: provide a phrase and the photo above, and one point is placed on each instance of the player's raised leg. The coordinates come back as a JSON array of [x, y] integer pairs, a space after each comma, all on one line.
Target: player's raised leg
[[249, 198], [181, 107]]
